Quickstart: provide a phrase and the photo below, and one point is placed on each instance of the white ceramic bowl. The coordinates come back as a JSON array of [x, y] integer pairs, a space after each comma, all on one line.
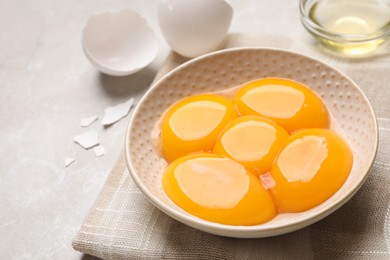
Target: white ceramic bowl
[[119, 43], [229, 68]]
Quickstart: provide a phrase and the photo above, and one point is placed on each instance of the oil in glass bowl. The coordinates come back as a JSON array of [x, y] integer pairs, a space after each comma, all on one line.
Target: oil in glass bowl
[[351, 27]]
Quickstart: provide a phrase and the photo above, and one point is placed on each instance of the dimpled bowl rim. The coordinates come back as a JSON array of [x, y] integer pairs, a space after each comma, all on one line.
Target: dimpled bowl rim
[[258, 230]]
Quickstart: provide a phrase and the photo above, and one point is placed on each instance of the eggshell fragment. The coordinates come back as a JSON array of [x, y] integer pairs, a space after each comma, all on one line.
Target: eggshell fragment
[[68, 161], [115, 113], [87, 140], [87, 121], [193, 28], [119, 43], [99, 150]]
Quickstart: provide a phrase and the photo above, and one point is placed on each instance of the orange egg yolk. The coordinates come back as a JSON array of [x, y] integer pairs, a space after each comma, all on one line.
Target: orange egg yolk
[[218, 189], [288, 103], [312, 166], [193, 124], [253, 141]]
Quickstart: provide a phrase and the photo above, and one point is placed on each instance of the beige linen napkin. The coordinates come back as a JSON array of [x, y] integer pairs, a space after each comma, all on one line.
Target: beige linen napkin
[[123, 224]]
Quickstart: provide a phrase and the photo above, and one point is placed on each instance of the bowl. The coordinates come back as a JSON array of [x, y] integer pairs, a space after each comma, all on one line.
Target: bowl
[[349, 27], [228, 68], [119, 43]]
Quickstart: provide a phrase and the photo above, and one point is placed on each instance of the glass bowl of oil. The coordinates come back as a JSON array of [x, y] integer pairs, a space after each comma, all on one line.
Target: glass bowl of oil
[[349, 27]]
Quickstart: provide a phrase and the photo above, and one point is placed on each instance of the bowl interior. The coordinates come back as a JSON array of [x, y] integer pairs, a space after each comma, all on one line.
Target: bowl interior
[[229, 68]]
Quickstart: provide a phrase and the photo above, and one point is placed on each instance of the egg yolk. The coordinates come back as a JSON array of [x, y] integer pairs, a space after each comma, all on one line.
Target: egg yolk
[[288, 103], [193, 124], [217, 189], [312, 166], [253, 141]]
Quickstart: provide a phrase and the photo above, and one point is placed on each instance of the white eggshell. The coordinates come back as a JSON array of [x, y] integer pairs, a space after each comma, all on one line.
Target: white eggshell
[[194, 27], [119, 43]]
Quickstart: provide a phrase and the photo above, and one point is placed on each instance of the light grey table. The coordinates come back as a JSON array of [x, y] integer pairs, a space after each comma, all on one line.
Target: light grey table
[[47, 85]]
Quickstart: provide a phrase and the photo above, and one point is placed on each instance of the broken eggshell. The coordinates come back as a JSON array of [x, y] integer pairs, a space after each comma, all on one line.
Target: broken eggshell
[[116, 113], [88, 139], [68, 161], [119, 43], [194, 27], [99, 150], [87, 121]]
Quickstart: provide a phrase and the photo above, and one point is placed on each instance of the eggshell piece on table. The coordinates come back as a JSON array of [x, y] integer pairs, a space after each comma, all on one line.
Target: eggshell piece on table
[[99, 150], [119, 43], [117, 112], [87, 121], [88, 139], [193, 28], [68, 161]]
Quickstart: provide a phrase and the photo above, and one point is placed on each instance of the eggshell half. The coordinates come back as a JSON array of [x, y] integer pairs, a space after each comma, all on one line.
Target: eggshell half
[[119, 43], [193, 28]]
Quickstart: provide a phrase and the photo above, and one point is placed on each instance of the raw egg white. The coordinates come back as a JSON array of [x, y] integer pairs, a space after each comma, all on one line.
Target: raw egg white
[[288, 103], [218, 189]]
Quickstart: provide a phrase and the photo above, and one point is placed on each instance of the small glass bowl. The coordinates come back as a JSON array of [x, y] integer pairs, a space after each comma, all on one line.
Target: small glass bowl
[[348, 44]]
